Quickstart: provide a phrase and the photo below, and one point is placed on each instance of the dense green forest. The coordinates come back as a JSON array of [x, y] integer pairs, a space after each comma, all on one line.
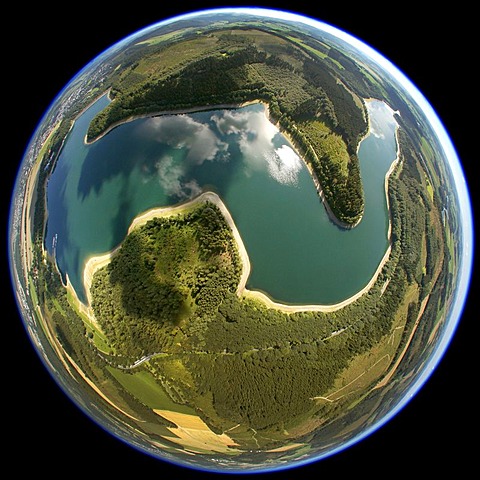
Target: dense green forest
[[170, 290], [166, 272], [304, 96], [170, 293]]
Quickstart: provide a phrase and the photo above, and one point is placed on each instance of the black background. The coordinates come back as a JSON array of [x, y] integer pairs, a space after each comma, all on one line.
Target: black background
[[48, 46]]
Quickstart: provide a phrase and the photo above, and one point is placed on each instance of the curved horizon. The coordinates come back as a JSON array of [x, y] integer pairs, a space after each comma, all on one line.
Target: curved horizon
[[460, 186]]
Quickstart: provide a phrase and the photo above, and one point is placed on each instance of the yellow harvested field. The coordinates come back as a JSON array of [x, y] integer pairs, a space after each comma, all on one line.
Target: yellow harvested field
[[184, 420], [286, 448], [97, 390], [193, 433]]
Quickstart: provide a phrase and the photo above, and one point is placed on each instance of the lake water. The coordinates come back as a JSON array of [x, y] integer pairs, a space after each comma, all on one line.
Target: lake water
[[297, 254]]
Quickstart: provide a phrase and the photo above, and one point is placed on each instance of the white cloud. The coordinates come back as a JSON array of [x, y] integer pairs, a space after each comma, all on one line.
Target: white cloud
[[191, 189], [232, 121], [182, 131], [253, 132], [381, 118], [170, 177], [256, 141], [284, 165]]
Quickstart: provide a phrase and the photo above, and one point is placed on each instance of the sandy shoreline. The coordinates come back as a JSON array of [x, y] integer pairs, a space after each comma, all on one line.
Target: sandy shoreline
[[206, 108], [318, 186], [318, 308], [94, 263], [337, 306]]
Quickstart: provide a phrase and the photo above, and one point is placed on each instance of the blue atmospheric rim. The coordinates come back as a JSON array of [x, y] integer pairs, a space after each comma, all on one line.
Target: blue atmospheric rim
[[465, 210]]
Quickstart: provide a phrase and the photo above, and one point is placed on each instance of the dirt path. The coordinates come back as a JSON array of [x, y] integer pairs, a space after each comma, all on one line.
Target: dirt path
[[389, 375], [26, 221]]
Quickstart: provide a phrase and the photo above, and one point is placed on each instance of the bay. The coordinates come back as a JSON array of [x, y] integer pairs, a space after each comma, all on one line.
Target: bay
[[298, 254]]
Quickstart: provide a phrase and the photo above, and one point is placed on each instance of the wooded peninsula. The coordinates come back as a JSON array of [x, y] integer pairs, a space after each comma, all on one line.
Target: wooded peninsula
[[167, 316], [322, 117]]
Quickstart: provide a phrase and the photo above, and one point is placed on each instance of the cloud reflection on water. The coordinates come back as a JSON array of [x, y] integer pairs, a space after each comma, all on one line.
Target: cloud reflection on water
[[256, 135]]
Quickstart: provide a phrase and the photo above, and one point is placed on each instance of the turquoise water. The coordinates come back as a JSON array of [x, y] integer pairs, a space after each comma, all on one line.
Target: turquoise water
[[297, 254]]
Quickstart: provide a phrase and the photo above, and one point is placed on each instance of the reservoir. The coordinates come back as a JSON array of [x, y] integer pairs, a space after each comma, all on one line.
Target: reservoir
[[298, 255]]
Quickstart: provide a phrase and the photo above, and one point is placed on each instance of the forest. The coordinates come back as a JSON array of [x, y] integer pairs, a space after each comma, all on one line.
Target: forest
[[170, 291], [306, 100], [166, 272]]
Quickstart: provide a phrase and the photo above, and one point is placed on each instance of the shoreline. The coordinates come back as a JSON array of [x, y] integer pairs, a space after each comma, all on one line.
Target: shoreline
[[286, 308], [29, 202], [318, 186], [392, 168], [161, 113], [94, 263], [206, 108]]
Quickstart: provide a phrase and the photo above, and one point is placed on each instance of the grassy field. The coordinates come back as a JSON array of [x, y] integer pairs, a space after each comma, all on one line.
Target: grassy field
[[316, 52], [99, 338], [429, 155], [451, 246], [328, 145], [36, 311], [190, 431], [32, 291], [366, 369], [163, 38], [429, 188], [169, 60], [143, 386]]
